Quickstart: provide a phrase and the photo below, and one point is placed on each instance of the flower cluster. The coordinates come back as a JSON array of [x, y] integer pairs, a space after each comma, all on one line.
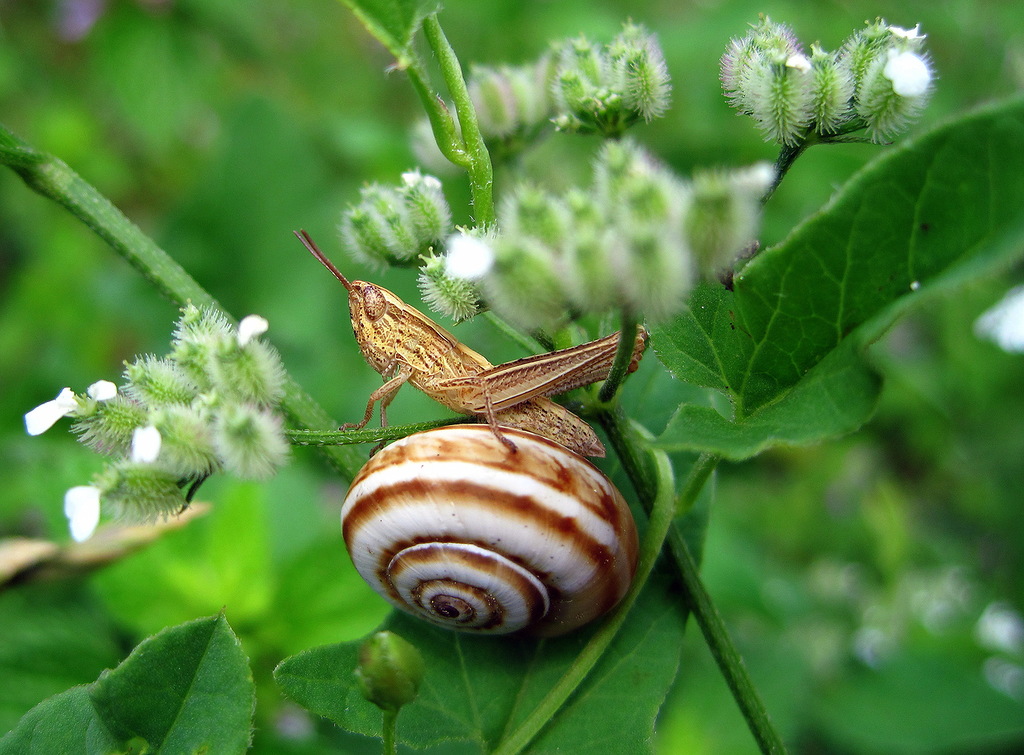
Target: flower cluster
[[634, 241], [394, 225], [607, 89], [878, 80], [206, 407]]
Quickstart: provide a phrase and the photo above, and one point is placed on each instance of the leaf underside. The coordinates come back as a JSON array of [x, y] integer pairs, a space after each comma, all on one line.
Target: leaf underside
[[787, 344]]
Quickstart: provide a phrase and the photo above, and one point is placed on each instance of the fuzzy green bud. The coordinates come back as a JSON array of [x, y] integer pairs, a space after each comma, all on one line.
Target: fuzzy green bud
[[428, 210], [389, 671], [394, 225], [140, 491], [525, 283], [157, 382], [455, 297], [198, 336], [250, 441], [187, 448], [832, 90], [892, 74], [606, 90], [252, 373], [107, 426], [724, 213]]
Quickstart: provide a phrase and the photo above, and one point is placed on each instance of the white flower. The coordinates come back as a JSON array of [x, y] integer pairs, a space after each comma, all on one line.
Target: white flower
[[914, 33], [468, 257], [413, 178], [45, 416], [146, 443], [250, 327], [798, 62], [1004, 323], [102, 390], [82, 508], [908, 72]]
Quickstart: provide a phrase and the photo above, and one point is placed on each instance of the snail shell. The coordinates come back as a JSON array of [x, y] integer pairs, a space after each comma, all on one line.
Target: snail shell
[[454, 527]]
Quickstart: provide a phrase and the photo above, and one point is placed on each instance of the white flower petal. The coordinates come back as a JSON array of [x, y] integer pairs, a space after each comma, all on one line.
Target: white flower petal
[[250, 327], [82, 508], [146, 443], [414, 177], [45, 416], [908, 72], [468, 257], [799, 62], [914, 33], [102, 390]]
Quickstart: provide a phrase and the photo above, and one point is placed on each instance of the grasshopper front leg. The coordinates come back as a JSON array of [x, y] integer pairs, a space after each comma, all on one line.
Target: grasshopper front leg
[[384, 394]]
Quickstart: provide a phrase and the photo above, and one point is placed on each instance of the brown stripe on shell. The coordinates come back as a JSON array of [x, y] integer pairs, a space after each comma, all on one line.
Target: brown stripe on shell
[[482, 563], [548, 462], [545, 461], [516, 509]]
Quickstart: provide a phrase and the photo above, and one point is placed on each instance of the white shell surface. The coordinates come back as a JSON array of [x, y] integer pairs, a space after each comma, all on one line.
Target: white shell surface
[[542, 511]]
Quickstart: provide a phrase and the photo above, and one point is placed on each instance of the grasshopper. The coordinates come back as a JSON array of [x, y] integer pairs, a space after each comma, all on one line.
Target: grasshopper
[[405, 346]]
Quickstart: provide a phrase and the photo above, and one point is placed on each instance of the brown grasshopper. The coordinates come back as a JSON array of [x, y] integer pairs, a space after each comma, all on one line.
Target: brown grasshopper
[[404, 346]]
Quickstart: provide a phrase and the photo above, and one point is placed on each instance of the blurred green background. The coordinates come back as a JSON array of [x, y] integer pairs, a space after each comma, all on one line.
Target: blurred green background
[[875, 584]]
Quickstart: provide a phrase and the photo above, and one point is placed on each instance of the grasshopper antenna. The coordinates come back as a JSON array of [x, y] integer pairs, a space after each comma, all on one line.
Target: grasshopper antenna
[[308, 242]]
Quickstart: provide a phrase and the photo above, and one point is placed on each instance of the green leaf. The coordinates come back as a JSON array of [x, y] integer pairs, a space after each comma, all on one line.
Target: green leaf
[[64, 723], [393, 22], [476, 689], [833, 399], [186, 689], [925, 217]]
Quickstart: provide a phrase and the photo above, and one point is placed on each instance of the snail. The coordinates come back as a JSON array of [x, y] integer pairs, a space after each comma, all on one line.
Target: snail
[[454, 527]]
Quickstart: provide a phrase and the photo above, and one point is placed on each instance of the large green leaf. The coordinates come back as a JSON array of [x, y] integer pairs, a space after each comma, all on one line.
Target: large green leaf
[[786, 343], [186, 689], [478, 689], [393, 22], [63, 723]]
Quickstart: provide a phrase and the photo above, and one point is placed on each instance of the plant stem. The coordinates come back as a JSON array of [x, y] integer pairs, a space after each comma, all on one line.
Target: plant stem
[[481, 174], [389, 726], [322, 438], [53, 179], [623, 358], [730, 664], [662, 513]]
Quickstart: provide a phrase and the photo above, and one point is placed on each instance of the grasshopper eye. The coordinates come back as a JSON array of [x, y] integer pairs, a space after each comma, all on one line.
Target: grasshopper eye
[[374, 303]]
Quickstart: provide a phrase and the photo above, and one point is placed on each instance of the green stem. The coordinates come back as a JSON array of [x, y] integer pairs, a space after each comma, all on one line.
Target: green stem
[[390, 725], [730, 664], [481, 174], [321, 438], [623, 358], [53, 179], [662, 513], [441, 122]]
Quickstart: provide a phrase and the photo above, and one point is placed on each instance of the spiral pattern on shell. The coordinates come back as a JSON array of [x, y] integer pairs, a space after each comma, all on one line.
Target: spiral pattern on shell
[[454, 527]]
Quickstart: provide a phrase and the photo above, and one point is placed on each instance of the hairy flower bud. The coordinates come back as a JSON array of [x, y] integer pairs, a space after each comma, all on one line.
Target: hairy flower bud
[[606, 90], [394, 225], [455, 297], [389, 671], [140, 491], [249, 441], [724, 214], [878, 80], [108, 427], [187, 446], [158, 382], [892, 76]]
